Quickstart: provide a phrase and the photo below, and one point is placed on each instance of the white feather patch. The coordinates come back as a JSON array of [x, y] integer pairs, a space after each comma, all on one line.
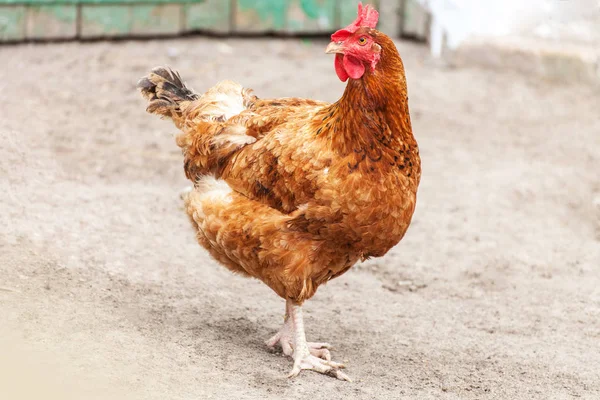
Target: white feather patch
[[209, 189], [230, 105]]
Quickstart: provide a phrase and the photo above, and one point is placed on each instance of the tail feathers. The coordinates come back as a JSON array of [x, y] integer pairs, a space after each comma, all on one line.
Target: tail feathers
[[166, 93]]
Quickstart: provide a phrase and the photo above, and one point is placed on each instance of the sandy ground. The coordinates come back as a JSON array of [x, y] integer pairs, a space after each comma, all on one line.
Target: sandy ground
[[493, 294]]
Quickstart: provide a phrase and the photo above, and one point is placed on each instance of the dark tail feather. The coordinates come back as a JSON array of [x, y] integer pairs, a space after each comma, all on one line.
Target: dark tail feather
[[166, 93]]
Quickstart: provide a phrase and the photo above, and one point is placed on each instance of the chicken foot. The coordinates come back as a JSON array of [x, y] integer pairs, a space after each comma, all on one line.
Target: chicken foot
[[285, 337], [307, 355]]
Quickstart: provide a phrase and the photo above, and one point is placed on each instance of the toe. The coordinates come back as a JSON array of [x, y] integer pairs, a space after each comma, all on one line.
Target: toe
[[295, 371], [286, 347], [340, 375], [271, 342], [317, 366], [321, 353], [334, 364], [327, 367]]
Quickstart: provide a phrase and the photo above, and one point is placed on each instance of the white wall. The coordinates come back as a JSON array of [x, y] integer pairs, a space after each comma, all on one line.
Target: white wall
[[576, 21]]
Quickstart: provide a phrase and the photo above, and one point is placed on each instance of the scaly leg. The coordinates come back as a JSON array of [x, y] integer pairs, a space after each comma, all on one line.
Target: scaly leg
[[303, 359], [285, 337]]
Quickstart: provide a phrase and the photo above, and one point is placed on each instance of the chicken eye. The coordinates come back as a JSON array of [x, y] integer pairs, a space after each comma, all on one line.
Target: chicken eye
[[362, 41]]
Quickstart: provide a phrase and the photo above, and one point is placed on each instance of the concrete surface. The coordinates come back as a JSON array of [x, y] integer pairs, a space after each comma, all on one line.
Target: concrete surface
[[493, 294], [541, 59]]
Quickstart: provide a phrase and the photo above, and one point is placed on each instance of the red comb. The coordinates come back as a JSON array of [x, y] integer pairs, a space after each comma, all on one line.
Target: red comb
[[367, 17]]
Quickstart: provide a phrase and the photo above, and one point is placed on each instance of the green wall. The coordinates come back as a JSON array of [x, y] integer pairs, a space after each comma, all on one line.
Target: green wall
[[70, 19]]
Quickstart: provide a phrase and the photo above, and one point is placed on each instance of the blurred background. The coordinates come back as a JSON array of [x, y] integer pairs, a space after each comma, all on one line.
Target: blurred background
[[565, 32], [493, 293]]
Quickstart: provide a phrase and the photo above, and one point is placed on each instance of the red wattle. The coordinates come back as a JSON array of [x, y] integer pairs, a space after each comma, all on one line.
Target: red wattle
[[354, 68], [339, 67]]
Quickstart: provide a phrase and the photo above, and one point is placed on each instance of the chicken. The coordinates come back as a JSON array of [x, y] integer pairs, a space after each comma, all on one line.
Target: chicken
[[293, 191]]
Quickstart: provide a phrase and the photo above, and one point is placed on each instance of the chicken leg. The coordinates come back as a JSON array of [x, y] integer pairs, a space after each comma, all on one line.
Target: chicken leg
[[285, 337], [307, 355]]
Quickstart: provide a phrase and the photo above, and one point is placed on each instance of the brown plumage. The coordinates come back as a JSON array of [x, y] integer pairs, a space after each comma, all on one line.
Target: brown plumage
[[292, 191]]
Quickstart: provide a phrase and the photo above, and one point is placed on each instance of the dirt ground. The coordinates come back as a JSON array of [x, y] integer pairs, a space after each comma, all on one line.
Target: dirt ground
[[493, 294]]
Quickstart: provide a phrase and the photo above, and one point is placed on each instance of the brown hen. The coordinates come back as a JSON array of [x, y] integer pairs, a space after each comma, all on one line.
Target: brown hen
[[292, 191]]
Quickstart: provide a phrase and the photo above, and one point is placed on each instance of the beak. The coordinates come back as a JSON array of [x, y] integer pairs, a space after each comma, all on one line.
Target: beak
[[334, 47]]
